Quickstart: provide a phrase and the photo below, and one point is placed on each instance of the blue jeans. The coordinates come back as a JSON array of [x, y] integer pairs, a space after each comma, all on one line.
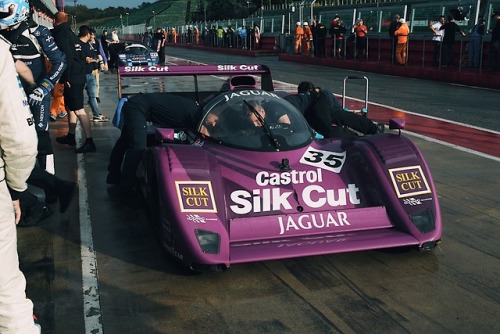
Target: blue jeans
[[91, 88]]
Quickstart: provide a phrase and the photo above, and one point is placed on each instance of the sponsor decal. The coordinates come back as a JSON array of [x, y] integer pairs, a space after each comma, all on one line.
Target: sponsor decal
[[146, 69], [314, 195], [229, 96], [409, 181], [196, 196], [237, 67], [332, 161], [199, 219], [415, 201], [316, 221]]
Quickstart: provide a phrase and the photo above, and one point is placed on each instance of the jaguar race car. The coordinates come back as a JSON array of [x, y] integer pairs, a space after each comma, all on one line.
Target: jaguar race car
[[137, 54], [254, 182]]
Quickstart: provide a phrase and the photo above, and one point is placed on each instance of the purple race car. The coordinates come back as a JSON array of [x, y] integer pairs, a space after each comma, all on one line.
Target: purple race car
[[252, 185]]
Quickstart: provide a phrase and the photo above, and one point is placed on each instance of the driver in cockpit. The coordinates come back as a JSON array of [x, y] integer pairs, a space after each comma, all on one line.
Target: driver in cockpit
[[257, 114]]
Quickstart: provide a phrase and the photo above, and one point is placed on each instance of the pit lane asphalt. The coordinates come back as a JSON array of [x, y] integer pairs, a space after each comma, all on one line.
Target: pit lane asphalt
[[453, 289]]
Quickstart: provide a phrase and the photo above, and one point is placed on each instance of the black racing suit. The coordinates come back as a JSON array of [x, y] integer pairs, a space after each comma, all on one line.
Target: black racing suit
[[163, 110], [324, 114], [31, 43]]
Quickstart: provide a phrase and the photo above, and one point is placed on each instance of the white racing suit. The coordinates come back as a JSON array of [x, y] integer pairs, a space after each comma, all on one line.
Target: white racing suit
[[18, 150]]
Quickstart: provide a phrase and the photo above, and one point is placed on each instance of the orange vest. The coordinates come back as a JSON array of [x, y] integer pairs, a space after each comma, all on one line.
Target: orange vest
[[299, 32]]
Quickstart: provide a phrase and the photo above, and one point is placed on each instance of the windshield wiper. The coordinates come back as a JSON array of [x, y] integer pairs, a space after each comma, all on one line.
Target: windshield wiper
[[266, 127]]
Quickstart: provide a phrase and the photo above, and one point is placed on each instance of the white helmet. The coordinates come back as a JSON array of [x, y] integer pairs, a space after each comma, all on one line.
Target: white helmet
[[306, 24], [12, 12], [298, 23]]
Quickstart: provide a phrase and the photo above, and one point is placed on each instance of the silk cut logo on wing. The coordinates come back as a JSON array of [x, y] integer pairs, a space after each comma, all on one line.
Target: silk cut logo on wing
[[332, 161]]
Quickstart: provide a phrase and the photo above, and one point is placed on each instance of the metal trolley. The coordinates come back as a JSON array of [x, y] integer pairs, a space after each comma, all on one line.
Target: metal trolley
[[364, 110]]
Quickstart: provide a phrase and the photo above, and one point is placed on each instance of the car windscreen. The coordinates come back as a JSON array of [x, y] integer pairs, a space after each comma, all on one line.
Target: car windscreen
[[136, 50], [255, 120]]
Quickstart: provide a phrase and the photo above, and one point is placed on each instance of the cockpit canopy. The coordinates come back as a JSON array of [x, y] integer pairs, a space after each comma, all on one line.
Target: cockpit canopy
[[256, 120]]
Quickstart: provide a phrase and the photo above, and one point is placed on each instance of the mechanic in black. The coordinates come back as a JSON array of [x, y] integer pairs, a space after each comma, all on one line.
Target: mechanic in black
[[319, 38], [32, 43], [324, 113], [161, 109]]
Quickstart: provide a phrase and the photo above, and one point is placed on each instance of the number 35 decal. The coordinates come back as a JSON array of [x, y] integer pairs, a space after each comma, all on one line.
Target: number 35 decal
[[332, 161]]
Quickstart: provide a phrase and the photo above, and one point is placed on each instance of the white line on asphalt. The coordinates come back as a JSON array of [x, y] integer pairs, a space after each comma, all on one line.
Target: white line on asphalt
[[91, 303]]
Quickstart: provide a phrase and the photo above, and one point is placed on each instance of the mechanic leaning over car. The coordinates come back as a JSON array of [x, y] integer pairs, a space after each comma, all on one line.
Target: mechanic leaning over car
[[161, 109], [31, 42], [324, 113]]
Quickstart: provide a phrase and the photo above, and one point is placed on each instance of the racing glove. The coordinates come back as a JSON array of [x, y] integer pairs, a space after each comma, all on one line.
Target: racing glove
[[36, 96]]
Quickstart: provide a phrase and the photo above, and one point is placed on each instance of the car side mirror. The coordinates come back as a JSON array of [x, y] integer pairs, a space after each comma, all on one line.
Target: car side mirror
[[397, 124]]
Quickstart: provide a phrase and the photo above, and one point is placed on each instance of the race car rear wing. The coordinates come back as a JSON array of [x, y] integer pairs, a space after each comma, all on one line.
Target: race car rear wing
[[156, 78]]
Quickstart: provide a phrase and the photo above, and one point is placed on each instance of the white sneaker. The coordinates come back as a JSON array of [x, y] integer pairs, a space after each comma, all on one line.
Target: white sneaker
[[100, 118]]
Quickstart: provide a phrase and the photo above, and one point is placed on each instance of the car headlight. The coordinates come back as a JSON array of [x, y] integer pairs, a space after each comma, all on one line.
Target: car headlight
[[424, 221], [209, 241]]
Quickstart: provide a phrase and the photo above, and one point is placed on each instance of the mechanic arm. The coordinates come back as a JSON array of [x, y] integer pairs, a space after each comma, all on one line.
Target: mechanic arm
[[54, 54], [102, 53], [24, 72], [57, 59]]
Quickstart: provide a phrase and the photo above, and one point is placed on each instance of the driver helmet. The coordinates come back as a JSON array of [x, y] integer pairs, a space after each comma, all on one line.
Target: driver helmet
[[13, 12]]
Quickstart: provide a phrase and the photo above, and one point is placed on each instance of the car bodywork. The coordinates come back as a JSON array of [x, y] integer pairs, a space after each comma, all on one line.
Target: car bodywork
[[137, 54], [242, 193]]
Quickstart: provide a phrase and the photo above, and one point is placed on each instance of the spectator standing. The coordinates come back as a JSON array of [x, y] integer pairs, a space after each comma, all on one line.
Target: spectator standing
[[32, 43], [91, 71], [18, 147], [174, 35], [220, 37], [114, 36], [494, 60], [402, 34], [395, 23], [105, 43], [475, 43], [103, 60], [205, 35], [74, 80], [146, 39], [437, 39], [361, 42], [256, 35], [299, 36], [189, 35], [337, 32], [308, 38], [242, 31], [196, 35], [450, 30], [230, 36], [158, 44], [319, 39]]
